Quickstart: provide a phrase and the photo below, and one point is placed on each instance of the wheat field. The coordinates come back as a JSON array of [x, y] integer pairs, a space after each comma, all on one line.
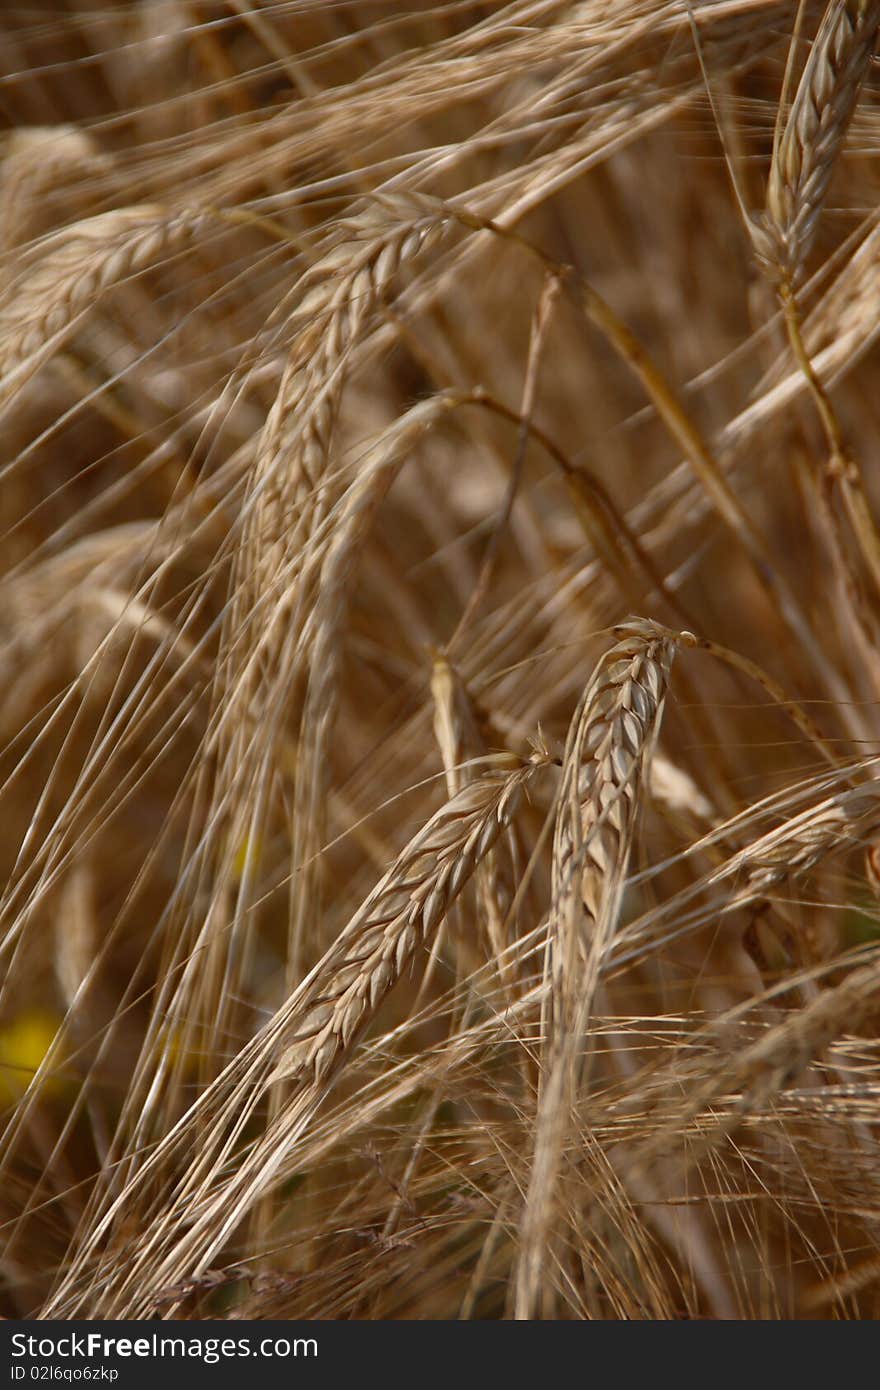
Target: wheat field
[[440, 634]]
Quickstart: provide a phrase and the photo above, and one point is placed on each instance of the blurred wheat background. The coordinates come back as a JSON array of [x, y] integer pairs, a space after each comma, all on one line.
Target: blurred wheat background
[[440, 635]]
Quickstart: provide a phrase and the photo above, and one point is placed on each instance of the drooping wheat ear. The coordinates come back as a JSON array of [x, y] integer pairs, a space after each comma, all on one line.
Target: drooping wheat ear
[[340, 294], [841, 822], [399, 918], [804, 158], [304, 1044], [70, 271], [609, 744]]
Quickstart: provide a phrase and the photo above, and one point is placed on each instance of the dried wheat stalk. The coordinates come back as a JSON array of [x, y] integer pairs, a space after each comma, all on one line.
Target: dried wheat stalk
[[194, 930], [803, 161], [280, 606], [843, 324]]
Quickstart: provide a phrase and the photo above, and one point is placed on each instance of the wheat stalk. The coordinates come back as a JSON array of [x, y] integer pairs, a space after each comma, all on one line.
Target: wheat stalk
[[289, 569], [459, 728]]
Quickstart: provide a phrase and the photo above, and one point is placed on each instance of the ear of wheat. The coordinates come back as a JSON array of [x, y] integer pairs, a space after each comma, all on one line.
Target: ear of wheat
[[804, 158], [609, 744], [70, 272]]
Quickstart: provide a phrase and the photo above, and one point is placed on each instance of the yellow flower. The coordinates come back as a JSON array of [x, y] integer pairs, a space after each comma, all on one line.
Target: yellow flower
[[23, 1044]]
